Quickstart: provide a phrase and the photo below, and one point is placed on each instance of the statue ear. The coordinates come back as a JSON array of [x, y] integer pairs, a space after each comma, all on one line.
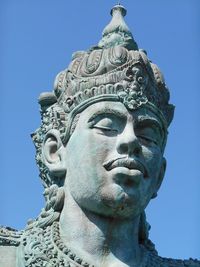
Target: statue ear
[[160, 177], [53, 153]]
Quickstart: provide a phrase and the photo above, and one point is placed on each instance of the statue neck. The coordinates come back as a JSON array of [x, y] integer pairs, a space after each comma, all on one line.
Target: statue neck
[[94, 237]]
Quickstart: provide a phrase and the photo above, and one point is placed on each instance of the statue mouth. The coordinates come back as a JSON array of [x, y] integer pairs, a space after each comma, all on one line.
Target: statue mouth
[[126, 162]]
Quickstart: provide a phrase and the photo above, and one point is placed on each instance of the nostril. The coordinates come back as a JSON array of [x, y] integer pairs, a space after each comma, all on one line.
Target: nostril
[[131, 148], [137, 151], [124, 148]]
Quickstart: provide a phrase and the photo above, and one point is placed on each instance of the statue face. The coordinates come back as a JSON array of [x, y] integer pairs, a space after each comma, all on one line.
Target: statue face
[[114, 159]]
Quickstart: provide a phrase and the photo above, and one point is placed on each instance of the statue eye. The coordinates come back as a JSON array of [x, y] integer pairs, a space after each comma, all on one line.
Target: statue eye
[[148, 136], [146, 140], [106, 126]]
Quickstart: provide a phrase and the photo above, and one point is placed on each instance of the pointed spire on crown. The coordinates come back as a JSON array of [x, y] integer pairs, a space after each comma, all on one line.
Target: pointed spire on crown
[[117, 23], [117, 32]]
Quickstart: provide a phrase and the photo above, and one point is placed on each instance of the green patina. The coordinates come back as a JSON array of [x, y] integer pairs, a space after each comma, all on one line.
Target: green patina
[[100, 153]]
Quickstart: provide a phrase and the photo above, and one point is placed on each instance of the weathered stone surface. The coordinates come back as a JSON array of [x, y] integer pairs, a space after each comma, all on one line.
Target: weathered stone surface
[[100, 153], [7, 256]]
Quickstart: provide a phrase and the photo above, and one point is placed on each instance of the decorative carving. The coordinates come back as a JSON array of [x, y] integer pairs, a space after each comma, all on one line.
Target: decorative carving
[[117, 55], [9, 236], [44, 247], [100, 154], [92, 61]]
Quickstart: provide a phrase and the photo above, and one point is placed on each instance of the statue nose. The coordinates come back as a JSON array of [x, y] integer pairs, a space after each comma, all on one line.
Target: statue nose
[[128, 142]]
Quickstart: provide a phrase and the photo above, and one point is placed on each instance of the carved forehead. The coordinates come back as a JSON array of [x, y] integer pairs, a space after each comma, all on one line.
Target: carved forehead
[[96, 109], [120, 110]]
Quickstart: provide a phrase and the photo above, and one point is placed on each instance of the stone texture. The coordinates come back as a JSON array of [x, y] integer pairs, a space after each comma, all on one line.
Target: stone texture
[[100, 153]]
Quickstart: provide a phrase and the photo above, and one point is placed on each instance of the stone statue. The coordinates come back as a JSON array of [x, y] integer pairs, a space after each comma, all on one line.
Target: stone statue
[[100, 153]]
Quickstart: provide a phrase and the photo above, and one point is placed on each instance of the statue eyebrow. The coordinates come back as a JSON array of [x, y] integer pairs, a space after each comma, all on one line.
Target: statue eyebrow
[[105, 111], [150, 121]]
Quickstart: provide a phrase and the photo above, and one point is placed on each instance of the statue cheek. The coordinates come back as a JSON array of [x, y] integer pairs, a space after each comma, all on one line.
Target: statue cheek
[[100, 147], [152, 158]]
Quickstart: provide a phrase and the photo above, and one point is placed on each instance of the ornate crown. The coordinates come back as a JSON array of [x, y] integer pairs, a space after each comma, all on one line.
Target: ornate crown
[[113, 70]]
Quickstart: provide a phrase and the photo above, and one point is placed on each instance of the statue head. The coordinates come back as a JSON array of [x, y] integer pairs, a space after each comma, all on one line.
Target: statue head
[[104, 128]]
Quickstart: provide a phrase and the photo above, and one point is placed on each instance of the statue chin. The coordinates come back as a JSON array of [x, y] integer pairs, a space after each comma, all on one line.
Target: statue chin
[[114, 197], [118, 203]]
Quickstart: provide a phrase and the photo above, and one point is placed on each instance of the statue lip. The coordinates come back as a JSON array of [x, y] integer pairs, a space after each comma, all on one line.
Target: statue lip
[[129, 163]]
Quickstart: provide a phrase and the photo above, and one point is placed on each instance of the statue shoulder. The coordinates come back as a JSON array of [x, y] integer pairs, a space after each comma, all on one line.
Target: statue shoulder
[[192, 263], [9, 241], [155, 260], [9, 236], [167, 262], [8, 256]]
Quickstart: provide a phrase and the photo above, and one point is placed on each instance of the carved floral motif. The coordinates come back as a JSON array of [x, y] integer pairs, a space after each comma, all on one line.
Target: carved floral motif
[[44, 248]]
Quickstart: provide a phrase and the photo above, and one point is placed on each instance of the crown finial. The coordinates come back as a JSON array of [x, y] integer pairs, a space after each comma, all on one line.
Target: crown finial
[[120, 8], [117, 32]]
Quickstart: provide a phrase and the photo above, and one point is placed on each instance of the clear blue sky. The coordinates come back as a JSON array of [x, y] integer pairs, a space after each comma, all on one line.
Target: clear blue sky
[[37, 41]]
